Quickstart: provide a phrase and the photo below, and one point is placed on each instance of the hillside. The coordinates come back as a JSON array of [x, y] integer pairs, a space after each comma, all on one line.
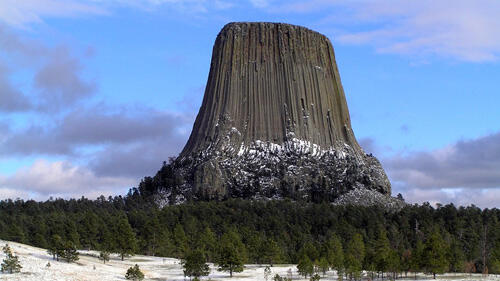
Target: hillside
[[34, 261]]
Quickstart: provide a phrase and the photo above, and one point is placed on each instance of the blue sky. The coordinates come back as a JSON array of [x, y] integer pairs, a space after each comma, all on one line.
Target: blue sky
[[95, 94]]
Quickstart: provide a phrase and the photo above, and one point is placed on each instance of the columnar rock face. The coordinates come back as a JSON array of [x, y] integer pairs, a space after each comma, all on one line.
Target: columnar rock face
[[273, 123], [267, 80]]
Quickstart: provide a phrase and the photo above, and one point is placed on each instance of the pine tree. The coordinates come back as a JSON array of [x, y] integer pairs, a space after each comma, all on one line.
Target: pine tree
[[335, 255], [125, 238], [69, 253], [181, 241], [107, 241], [495, 266], [232, 254], [456, 257], [104, 256], [305, 266], [310, 251], [11, 262], [355, 254], [271, 252], [394, 263], [56, 247], [416, 262], [89, 230], [195, 264], [208, 242], [134, 273], [382, 252], [406, 258], [434, 256], [323, 265], [151, 235]]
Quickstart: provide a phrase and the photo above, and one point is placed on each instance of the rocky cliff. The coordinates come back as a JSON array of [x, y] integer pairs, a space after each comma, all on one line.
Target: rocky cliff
[[273, 123]]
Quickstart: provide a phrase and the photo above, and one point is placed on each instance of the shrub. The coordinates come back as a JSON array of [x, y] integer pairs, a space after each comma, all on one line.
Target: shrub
[[134, 273], [11, 263]]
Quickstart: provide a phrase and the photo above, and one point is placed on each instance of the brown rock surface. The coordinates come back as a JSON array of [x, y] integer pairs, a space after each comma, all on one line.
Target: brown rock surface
[[273, 123], [267, 80]]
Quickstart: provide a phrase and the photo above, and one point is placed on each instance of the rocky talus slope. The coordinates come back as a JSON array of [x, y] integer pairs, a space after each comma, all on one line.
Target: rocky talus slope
[[273, 123]]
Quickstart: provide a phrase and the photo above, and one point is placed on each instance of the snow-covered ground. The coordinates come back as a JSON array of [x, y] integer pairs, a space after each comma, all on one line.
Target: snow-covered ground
[[34, 261]]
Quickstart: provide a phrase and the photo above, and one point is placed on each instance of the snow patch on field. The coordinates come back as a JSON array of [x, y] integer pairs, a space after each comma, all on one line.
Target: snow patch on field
[[34, 261]]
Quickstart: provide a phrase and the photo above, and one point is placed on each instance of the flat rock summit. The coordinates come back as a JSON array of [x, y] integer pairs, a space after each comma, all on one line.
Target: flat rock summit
[[273, 123]]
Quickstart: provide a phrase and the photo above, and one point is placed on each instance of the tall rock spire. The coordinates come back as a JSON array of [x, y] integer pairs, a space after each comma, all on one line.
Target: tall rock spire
[[273, 123], [268, 81]]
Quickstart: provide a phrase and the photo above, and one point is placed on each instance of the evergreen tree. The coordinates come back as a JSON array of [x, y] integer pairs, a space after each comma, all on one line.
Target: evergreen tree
[[69, 253], [180, 241], [310, 251], [382, 252], [416, 262], [335, 255], [394, 263], [107, 241], [71, 232], [434, 256], [271, 252], [354, 256], [208, 242], [323, 265], [406, 258], [232, 254], [195, 264], [104, 256], [89, 231], [305, 266], [151, 235], [166, 247], [456, 257], [495, 267], [134, 273], [56, 247], [11, 262], [125, 240]]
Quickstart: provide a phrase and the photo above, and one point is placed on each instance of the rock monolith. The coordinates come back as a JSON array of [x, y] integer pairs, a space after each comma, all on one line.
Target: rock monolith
[[273, 123]]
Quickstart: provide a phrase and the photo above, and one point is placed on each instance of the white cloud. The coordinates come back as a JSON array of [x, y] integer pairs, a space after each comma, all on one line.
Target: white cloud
[[60, 179], [12, 193], [459, 29], [23, 13], [484, 198], [465, 30], [20, 13]]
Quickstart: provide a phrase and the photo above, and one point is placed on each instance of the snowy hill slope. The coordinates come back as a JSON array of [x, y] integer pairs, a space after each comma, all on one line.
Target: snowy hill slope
[[34, 261]]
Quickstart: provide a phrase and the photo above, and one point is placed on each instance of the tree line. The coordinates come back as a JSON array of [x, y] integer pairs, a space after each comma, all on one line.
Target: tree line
[[315, 236]]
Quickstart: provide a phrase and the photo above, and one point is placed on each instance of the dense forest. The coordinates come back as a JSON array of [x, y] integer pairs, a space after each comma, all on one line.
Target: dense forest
[[462, 239]]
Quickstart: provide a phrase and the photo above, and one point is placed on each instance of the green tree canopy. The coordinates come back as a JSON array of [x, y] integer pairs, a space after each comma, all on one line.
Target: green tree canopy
[[305, 266], [232, 254], [434, 254], [354, 256], [125, 240], [195, 264], [11, 262]]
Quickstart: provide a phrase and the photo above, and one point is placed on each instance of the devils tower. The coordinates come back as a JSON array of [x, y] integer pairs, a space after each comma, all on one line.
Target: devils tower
[[273, 123]]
